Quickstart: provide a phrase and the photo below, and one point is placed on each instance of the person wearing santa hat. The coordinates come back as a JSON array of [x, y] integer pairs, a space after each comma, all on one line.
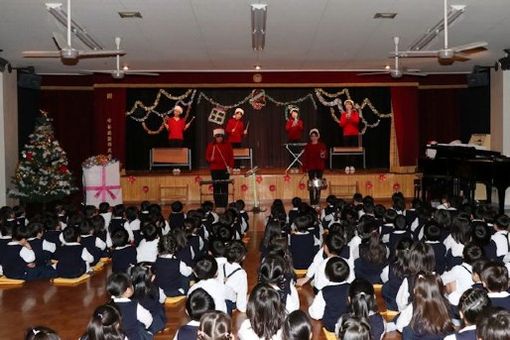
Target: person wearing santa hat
[[235, 128], [294, 126], [314, 161], [349, 122], [176, 127], [220, 156]]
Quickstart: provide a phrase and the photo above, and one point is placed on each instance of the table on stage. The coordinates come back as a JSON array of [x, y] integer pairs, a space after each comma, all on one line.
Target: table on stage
[[295, 150]]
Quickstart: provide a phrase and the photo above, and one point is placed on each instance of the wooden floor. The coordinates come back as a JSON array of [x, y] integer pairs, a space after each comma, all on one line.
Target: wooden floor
[[68, 309]]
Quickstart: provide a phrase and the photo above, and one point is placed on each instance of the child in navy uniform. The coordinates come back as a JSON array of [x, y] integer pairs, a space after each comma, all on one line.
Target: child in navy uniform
[[235, 276], [148, 295], [481, 235], [73, 258], [133, 223], [94, 245], [197, 304], [472, 304], [495, 324], [104, 210], [136, 320], [177, 216], [170, 273], [147, 250], [332, 301], [52, 229], [432, 237], [495, 280], [294, 211], [123, 253], [104, 324], [18, 258], [192, 228], [117, 218], [399, 232], [303, 245], [393, 274], [500, 236], [43, 249], [98, 225], [372, 257], [245, 220]]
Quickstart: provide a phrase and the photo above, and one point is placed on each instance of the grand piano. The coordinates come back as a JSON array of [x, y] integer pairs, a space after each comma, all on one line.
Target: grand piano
[[455, 168]]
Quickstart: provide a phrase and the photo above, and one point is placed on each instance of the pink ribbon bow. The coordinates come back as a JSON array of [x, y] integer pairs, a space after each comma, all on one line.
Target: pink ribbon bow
[[103, 189]]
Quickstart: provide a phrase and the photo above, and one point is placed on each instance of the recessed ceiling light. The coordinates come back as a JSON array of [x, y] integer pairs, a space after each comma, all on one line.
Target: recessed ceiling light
[[127, 14], [385, 15], [258, 67], [387, 67], [125, 68]]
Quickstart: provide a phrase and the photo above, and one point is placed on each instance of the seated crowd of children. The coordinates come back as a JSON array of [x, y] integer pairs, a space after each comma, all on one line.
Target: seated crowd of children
[[443, 271]]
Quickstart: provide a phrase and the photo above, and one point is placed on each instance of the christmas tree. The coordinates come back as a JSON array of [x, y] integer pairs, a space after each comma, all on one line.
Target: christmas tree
[[42, 174]]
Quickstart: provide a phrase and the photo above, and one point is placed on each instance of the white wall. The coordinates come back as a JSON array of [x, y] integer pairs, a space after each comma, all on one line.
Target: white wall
[[8, 133]]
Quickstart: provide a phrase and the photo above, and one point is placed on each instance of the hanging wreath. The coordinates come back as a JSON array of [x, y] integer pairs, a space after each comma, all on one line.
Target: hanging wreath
[[302, 186], [145, 189], [258, 99], [369, 185], [272, 188]]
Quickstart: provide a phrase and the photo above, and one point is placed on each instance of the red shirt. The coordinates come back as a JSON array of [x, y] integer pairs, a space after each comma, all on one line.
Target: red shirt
[[217, 154], [175, 128], [294, 132], [237, 135], [350, 126], [314, 157]]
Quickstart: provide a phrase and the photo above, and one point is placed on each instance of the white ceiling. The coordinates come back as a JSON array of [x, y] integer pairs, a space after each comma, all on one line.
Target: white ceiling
[[215, 34]]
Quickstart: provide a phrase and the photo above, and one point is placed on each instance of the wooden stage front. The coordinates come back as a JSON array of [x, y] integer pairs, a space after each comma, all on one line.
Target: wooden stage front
[[163, 186]]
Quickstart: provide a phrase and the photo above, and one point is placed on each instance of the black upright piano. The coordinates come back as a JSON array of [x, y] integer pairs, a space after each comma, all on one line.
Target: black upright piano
[[460, 167]]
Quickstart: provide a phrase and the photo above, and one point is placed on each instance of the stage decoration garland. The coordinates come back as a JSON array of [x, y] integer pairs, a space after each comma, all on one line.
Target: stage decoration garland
[[338, 102], [152, 109]]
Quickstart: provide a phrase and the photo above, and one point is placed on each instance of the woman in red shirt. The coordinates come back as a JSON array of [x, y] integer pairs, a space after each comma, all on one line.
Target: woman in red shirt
[[294, 126], [235, 128], [314, 161], [349, 122], [220, 156], [176, 127]]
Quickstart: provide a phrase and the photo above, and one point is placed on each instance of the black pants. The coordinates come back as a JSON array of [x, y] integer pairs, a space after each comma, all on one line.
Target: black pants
[[315, 193], [175, 143], [350, 141], [220, 189]]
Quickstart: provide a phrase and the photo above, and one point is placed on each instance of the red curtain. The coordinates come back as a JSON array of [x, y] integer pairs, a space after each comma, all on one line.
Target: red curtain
[[110, 122], [404, 101]]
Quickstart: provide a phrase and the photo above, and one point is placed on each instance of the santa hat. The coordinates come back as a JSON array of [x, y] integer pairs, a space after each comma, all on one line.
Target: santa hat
[[239, 110], [178, 108], [316, 131], [218, 132], [349, 101]]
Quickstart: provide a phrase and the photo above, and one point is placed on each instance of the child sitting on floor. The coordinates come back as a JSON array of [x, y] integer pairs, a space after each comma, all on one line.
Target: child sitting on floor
[[123, 253], [73, 258], [197, 304]]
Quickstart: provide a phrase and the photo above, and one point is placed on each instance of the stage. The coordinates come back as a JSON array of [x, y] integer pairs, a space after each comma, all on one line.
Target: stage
[[271, 183]]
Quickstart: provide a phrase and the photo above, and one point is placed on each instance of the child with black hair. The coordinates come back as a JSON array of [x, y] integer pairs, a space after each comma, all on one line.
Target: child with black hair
[[89, 211], [123, 252], [297, 326], [171, 274], [20, 215], [495, 280], [476, 276], [354, 328], [397, 233], [265, 315], [18, 258], [432, 237], [98, 225], [197, 244], [494, 325], [215, 325], [147, 250], [205, 271], [94, 245], [243, 214], [42, 333], [372, 257], [148, 295], [459, 279], [135, 319], [357, 201], [133, 224], [183, 248], [52, 229], [73, 258], [460, 234], [363, 305], [388, 224], [303, 244], [197, 304], [481, 235], [43, 249], [472, 304], [273, 229], [218, 249], [177, 216], [332, 300], [500, 236], [105, 324], [210, 214], [144, 211], [294, 211]]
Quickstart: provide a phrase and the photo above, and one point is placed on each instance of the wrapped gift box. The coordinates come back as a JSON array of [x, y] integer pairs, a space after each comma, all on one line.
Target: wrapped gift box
[[102, 184]]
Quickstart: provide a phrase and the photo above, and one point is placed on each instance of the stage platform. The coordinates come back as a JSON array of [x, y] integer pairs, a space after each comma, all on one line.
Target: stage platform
[[163, 186]]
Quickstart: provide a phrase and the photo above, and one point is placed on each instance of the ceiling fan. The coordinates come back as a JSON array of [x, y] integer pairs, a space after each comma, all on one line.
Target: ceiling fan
[[119, 72], [69, 54], [397, 71], [448, 55]]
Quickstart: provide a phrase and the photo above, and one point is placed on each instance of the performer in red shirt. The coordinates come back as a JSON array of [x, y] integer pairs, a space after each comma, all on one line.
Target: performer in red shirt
[[235, 128], [349, 122], [176, 127], [220, 156], [314, 161], [294, 126]]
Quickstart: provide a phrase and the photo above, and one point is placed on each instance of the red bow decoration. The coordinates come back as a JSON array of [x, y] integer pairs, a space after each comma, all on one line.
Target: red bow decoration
[[286, 178], [145, 189], [272, 188], [369, 185], [396, 187], [198, 179], [302, 186], [244, 188], [131, 179], [259, 179], [29, 155], [63, 169], [382, 178]]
